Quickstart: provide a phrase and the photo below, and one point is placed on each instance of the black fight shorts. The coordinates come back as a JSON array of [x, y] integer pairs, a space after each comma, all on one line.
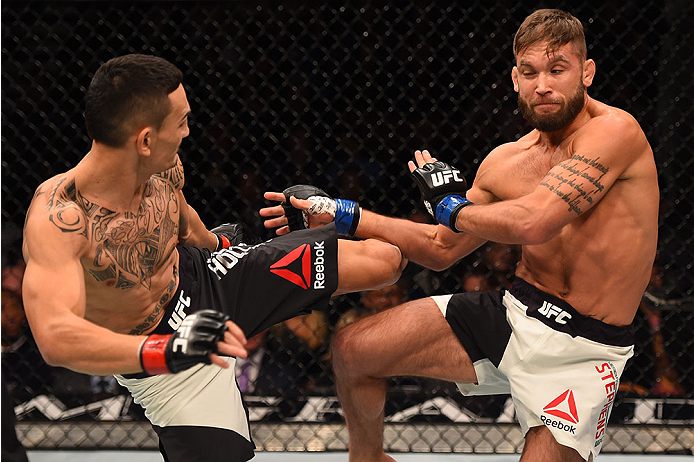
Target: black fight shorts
[[199, 413]]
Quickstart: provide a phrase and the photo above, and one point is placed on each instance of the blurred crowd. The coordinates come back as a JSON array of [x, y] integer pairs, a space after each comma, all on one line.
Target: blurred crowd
[[292, 359]]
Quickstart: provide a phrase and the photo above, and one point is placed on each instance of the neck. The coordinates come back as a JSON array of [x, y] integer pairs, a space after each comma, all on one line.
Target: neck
[[111, 177]]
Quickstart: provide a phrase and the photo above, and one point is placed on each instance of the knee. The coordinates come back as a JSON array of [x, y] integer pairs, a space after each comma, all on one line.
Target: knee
[[345, 352], [388, 258]]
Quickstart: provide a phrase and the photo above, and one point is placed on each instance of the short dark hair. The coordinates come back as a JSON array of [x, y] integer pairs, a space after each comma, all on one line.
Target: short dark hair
[[556, 27], [126, 93]]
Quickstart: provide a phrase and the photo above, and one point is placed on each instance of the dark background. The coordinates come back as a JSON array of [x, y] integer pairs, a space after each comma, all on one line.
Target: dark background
[[340, 95]]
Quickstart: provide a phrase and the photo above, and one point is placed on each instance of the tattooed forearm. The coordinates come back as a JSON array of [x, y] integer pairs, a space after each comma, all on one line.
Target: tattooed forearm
[[577, 181]]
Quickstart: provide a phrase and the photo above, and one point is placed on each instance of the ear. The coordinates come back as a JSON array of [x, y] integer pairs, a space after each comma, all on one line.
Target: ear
[[588, 72], [143, 141], [514, 77]]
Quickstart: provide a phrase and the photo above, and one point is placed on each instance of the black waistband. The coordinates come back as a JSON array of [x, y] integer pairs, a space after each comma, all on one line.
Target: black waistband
[[559, 315]]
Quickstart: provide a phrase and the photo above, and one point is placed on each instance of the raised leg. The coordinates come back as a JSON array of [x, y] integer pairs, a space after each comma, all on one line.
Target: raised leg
[[366, 265]]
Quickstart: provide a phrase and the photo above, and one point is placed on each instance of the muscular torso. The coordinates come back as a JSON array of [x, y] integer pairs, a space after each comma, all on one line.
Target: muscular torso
[[129, 257], [601, 261]]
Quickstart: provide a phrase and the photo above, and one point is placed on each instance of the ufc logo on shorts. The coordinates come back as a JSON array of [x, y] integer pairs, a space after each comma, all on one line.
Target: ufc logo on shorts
[[548, 310], [178, 314], [440, 178]]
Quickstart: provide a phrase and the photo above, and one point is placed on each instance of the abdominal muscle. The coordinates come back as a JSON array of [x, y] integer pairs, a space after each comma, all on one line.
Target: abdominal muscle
[[603, 288], [136, 310]]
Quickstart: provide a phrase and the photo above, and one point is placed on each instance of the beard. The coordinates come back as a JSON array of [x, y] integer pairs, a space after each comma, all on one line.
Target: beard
[[558, 120]]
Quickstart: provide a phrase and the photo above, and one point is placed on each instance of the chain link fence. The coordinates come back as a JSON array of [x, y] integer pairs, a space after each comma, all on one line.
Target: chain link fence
[[339, 95]]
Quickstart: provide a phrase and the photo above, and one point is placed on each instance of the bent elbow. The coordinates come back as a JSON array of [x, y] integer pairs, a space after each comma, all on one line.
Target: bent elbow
[[536, 233], [441, 264], [51, 351], [52, 358]]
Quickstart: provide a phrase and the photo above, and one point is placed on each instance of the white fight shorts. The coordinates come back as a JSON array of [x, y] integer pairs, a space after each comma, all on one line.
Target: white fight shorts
[[561, 368]]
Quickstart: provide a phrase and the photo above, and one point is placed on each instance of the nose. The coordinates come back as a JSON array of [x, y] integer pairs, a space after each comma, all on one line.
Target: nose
[[542, 87]]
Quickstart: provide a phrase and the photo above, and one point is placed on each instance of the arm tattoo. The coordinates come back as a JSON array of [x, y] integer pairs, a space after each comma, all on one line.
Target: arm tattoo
[[577, 181]]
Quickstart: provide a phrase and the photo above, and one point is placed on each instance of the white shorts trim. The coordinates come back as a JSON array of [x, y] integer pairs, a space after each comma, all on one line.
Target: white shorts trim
[[205, 396]]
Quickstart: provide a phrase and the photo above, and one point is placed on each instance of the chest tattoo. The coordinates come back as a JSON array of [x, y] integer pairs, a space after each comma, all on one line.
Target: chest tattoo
[[127, 247]]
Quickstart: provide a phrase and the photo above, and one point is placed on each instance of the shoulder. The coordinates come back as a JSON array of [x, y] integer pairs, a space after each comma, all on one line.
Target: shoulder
[[614, 129], [55, 222], [57, 194], [173, 176]]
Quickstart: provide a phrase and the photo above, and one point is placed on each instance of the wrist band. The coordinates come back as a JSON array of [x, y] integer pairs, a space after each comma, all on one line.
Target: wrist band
[[448, 209], [153, 354], [347, 215], [222, 242]]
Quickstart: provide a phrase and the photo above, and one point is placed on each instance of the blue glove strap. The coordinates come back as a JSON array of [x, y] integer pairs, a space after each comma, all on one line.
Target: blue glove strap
[[447, 206], [344, 216]]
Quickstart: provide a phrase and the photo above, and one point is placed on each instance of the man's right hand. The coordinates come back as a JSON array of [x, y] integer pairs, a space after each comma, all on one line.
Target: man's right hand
[[199, 338], [305, 206], [231, 234]]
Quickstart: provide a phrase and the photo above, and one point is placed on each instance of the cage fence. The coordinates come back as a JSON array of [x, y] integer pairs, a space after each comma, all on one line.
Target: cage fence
[[339, 95]]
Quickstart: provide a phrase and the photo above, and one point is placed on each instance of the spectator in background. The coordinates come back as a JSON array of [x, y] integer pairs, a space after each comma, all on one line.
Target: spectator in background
[[248, 369], [24, 371], [478, 281], [292, 364], [664, 378], [12, 276], [502, 260], [372, 302], [12, 449]]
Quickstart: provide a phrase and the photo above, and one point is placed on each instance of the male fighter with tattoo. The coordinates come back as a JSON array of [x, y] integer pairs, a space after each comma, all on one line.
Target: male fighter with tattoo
[[580, 194], [123, 278]]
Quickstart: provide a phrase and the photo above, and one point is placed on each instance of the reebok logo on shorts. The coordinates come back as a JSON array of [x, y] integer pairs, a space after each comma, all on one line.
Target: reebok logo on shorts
[[300, 274], [295, 267], [559, 406], [563, 407]]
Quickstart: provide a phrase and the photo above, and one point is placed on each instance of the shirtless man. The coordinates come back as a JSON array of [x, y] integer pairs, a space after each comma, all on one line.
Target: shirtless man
[[580, 194], [120, 277]]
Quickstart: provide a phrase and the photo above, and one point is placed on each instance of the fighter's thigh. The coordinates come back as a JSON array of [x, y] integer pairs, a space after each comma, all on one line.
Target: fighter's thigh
[[411, 339], [366, 265]]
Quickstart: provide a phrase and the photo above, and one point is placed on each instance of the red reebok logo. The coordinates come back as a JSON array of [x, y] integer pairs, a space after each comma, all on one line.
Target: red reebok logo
[[553, 408], [302, 278]]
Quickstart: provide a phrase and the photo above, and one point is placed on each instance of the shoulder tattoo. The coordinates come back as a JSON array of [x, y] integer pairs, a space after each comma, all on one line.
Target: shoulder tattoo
[[128, 247]]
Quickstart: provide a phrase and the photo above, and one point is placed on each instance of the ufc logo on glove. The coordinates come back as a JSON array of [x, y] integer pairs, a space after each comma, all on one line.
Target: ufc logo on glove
[[445, 177]]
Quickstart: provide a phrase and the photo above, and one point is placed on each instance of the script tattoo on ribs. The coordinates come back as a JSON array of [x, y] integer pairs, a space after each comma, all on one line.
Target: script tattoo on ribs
[[577, 181], [128, 247]]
